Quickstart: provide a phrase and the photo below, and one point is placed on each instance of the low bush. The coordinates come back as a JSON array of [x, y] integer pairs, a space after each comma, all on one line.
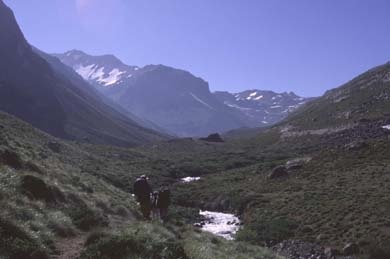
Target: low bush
[[16, 244], [378, 250], [269, 232], [85, 218], [145, 242], [36, 188]]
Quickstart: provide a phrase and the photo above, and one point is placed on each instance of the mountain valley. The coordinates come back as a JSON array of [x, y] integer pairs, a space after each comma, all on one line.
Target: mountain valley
[[287, 177]]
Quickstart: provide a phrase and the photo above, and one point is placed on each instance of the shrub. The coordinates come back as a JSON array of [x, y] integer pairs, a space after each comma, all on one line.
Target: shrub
[[377, 250], [36, 188], [271, 231], [137, 243], [11, 158], [17, 244], [85, 218]]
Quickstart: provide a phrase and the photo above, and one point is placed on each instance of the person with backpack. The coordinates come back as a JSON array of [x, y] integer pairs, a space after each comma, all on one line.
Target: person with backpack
[[155, 209], [142, 191], [163, 202]]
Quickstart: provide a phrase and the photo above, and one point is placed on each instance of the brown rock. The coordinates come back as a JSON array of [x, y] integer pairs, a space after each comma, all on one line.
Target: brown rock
[[351, 249], [278, 172]]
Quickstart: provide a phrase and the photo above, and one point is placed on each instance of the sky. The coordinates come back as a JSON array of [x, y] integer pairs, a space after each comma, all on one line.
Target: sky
[[304, 46]]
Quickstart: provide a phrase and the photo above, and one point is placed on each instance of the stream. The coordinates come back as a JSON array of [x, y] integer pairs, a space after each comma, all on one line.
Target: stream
[[189, 179], [221, 224]]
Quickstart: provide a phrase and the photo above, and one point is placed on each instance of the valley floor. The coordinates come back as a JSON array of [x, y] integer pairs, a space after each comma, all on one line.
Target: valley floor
[[67, 199]]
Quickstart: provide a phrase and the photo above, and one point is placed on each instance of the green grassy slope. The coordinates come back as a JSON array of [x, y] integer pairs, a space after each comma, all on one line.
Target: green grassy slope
[[365, 97], [68, 200], [340, 196]]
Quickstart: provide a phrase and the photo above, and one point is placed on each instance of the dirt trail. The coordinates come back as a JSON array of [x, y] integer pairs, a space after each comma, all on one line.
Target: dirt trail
[[70, 248]]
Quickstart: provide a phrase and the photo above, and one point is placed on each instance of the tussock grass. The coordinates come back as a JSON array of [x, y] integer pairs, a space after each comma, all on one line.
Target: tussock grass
[[147, 240], [201, 245]]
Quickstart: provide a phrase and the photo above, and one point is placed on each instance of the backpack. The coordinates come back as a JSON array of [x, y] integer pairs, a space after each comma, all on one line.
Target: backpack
[[164, 199]]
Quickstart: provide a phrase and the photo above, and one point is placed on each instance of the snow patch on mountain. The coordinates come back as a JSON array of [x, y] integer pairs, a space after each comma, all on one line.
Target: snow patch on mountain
[[90, 71], [93, 72], [261, 106], [113, 77], [237, 107], [201, 101]]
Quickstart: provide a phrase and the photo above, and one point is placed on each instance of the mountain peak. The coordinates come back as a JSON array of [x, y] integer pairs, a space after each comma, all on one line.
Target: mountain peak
[[103, 71], [12, 38], [79, 54], [263, 106]]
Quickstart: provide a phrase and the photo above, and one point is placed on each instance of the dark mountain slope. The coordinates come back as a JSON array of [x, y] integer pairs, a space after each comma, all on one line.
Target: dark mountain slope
[[34, 91], [178, 101], [69, 74]]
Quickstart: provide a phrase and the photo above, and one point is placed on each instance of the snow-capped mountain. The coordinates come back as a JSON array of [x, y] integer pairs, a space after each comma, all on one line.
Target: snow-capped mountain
[[104, 71], [262, 107], [173, 99], [178, 101]]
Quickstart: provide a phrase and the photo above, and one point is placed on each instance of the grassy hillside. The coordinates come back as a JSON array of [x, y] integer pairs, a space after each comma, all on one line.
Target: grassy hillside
[[339, 195], [365, 97], [68, 200]]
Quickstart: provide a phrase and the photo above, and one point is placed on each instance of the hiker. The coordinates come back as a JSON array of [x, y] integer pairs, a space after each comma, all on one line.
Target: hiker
[[142, 191], [155, 209], [163, 202]]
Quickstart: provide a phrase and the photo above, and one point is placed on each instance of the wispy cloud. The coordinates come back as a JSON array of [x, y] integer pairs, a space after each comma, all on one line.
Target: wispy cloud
[[97, 15], [82, 5]]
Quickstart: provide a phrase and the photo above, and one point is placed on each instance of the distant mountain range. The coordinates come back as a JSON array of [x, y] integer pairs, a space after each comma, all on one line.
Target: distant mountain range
[[176, 100], [126, 105], [42, 91], [262, 107]]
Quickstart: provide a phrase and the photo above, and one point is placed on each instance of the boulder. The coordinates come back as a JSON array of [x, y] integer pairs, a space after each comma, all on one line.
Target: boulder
[[278, 172], [356, 145], [297, 163], [213, 138], [11, 159], [199, 225], [330, 252], [351, 249], [54, 146]]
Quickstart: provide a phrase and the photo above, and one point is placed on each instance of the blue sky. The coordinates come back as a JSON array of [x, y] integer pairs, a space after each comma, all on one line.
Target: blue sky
[[305, 46]]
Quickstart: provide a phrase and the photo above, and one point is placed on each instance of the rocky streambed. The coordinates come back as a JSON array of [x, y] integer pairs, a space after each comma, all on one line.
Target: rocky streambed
[[189, 179], [221, 224]]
